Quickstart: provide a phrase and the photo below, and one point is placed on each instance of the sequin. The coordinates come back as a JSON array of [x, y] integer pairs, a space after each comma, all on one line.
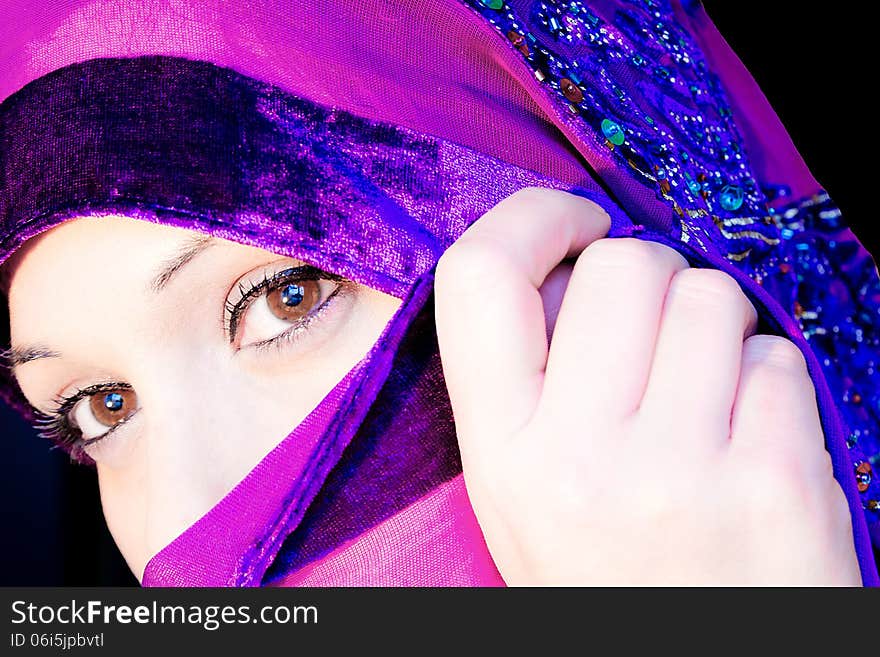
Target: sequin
[[613, 132], [579, 48], [731, 198], [571, 90], [519, 41], [863, 475], [833, 292]]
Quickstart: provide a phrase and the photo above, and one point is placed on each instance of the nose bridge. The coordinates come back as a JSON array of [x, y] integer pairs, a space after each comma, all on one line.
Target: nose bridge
[[183, 401]]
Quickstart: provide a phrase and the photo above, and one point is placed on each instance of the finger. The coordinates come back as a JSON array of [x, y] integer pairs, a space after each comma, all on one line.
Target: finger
[[490, 320], [775, 408], [694, 374], [552, 292], [601, 350]]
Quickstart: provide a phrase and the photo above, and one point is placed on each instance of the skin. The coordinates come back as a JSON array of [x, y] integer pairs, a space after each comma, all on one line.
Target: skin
[[82, 289], [655, 437], [658, 360]]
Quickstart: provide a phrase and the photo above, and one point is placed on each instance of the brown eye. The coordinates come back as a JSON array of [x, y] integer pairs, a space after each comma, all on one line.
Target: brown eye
[[108, 407], [293, 301], [286, 303]]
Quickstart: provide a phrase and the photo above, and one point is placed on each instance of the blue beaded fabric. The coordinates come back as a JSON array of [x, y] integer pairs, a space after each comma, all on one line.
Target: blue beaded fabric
[[647, 94], [629, 76]]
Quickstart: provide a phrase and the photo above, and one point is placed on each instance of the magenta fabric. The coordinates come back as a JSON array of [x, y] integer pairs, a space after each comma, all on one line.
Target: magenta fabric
[[368, 489], [436, 541]]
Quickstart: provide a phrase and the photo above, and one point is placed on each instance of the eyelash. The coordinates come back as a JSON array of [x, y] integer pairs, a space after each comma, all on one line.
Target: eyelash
[[235, 311], [57, 426]]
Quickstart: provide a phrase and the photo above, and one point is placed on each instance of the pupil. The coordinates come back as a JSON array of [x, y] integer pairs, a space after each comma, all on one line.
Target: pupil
[[292, 295], [113, 401]]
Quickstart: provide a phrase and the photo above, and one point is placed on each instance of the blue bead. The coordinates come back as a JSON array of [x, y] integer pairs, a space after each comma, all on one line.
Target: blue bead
[[113, 401], [731, 198], [292, 295]]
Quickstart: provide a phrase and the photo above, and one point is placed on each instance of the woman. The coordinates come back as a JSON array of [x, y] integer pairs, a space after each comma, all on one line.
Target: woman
[[307, 185]]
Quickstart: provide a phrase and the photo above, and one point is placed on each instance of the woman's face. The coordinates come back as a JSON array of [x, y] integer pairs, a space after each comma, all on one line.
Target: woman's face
[[176, 361]]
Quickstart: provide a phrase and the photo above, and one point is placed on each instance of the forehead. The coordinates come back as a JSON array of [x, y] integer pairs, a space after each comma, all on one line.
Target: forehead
[[90, 233], [89, 266], [50, 274], [81, 243]]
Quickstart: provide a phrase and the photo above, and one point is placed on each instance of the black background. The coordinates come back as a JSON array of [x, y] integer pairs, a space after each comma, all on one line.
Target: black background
[[805, 56]]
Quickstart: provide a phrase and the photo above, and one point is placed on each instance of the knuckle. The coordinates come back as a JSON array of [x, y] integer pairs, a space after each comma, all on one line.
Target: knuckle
[[790, 462], [707, 286], [542, 200], [631, 252], [471, 259], [775, 351], [534, 194], [772, 482], [530, 200], [544, 195]]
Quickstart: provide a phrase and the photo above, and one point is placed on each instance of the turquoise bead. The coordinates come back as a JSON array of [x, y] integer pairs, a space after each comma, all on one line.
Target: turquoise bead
[[613, 132], [493, 4], [731, 198]]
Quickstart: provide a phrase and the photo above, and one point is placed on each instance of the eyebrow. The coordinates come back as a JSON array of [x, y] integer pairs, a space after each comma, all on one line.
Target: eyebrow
[[19, 355], [185, 254], [15, 356]]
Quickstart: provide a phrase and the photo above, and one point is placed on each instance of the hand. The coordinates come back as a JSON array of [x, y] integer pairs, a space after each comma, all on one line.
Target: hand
[[656, 439]]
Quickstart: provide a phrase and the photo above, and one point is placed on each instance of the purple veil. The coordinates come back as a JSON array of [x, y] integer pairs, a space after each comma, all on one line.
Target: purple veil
[[364, 137]]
